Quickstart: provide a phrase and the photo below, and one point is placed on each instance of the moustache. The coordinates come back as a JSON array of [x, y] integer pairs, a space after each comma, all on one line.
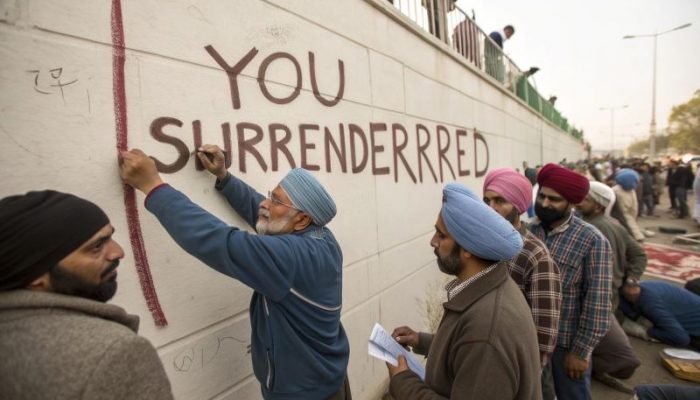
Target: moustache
[[265, 213], [111, 268]]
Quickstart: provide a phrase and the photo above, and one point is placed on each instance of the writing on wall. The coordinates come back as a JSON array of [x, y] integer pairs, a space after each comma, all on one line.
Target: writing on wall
[[420, 152]]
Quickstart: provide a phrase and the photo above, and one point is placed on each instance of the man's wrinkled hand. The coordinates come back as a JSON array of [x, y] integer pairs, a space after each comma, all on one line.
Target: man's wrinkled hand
[[139, 170], [213, 159]]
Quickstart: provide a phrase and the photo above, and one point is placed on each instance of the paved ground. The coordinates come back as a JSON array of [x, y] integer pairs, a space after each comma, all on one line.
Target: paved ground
[[651, 370]]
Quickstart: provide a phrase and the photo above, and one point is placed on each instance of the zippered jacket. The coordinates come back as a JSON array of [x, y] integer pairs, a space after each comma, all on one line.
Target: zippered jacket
[[299, 348]]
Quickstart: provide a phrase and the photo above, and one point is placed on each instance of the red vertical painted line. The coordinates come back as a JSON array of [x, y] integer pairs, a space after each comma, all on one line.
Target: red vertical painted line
[[132, 211]]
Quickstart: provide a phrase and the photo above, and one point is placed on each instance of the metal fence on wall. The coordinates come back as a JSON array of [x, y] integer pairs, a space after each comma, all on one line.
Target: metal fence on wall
[[444, 20]]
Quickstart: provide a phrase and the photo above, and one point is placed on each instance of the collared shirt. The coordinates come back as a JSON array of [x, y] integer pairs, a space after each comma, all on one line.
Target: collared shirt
[[455, 286], [537, 276], [584, 259]]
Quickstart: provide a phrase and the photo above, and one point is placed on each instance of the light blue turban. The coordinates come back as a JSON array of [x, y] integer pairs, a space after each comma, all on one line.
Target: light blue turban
[[627, 178], [307, 194], [476, 227]]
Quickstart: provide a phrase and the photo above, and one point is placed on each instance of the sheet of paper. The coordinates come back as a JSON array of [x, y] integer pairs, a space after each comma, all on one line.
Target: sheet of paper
[[382, 346]]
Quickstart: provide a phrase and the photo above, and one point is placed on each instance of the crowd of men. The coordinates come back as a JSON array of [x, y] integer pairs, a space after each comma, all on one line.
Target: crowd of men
[[534, 310]]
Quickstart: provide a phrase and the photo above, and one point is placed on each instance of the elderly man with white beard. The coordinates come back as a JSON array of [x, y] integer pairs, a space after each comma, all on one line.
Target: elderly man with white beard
[[294, 265]]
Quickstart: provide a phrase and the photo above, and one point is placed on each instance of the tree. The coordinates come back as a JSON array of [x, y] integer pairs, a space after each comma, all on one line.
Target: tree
[[684, 126], [641, 147]]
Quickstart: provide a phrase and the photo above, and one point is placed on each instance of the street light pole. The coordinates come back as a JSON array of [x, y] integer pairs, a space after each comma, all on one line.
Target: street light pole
[[652, 127], [612, 123]]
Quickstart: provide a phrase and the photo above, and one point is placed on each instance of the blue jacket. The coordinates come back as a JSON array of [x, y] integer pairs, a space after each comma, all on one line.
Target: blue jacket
[[497, 37], [298, 345], [674, 311]]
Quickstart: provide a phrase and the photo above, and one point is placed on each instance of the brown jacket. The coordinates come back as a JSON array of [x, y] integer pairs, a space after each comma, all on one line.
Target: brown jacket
[[485, 348], [58, 347]]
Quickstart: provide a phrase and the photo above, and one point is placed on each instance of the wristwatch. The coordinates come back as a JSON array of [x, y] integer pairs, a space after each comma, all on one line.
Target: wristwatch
[[632, 281]]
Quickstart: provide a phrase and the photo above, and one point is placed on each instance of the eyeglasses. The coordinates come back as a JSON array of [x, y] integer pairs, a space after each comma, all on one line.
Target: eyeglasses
[[275, 200]]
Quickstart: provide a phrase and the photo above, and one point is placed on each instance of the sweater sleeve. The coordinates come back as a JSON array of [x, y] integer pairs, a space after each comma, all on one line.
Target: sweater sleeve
[[424, 342], [129, 369], [243, 198], [635, 257], [265, 263]]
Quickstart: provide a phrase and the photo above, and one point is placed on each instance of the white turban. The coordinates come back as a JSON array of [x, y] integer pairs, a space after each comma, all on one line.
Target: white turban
[[603, 195]]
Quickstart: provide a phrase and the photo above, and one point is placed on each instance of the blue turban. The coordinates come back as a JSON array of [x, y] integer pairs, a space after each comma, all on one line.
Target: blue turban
[[476, 227], [627, 178], [307, 194]]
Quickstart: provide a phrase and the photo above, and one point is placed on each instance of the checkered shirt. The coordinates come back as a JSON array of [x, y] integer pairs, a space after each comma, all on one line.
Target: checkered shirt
[[584, 259], [537, 276]]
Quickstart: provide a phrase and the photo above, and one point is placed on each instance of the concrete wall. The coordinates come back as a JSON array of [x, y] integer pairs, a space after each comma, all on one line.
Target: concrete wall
[[410, 109]]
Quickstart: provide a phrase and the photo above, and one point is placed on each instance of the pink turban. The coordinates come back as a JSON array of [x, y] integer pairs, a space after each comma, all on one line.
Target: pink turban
[[570, 185], [511, 186]]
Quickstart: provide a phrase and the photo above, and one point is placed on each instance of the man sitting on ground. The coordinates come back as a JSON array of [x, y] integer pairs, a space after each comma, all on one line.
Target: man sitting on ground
[[673, 312]]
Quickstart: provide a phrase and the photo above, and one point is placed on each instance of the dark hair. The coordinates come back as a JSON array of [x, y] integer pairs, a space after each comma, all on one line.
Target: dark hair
[[509, 27]]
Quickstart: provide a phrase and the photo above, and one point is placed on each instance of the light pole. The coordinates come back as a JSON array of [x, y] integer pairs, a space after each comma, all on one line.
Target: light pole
[[652, 127], [612, 123]]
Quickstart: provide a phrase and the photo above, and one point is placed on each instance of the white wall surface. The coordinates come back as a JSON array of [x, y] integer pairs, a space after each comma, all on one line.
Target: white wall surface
[[64, 138]]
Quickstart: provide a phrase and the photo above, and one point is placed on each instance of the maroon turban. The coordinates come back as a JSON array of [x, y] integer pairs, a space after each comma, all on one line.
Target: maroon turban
[[569, 184]]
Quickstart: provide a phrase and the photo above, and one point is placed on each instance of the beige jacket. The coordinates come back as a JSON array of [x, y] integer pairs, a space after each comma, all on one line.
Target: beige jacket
[[65, 347], [627, 199]]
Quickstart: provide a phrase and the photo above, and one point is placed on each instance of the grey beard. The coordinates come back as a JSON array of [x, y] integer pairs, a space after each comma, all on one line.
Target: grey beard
[[273, 227]]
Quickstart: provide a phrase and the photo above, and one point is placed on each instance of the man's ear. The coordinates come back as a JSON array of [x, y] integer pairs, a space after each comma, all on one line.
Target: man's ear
[[301, 221], [42, 283], [465, 255]]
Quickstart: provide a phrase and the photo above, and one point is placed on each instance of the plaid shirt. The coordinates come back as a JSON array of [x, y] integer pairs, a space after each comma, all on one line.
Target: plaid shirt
[[537, 276], [455, 286], [585, 264]]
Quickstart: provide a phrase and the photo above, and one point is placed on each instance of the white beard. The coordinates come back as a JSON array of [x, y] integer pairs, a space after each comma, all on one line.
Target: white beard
[[276, 227]]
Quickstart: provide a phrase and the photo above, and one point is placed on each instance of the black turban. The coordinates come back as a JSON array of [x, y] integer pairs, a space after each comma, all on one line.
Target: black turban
[[39, 229]]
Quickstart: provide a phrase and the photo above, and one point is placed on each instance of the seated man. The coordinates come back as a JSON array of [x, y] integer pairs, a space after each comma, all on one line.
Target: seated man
[[674, 312], [693, 285], [58, 337], [486, 344], [667, 392]]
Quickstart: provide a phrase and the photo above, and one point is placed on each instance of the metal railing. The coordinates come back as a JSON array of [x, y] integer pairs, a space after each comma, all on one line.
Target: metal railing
[[444, 20]]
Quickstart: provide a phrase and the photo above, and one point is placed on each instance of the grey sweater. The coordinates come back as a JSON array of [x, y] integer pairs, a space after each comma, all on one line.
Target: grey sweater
[[55, 346]]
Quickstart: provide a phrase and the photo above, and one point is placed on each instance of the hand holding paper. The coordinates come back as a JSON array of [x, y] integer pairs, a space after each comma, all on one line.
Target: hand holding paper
[[382, 346]]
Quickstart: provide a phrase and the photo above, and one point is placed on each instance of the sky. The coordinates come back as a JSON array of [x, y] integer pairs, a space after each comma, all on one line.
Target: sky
[[584, 61]]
